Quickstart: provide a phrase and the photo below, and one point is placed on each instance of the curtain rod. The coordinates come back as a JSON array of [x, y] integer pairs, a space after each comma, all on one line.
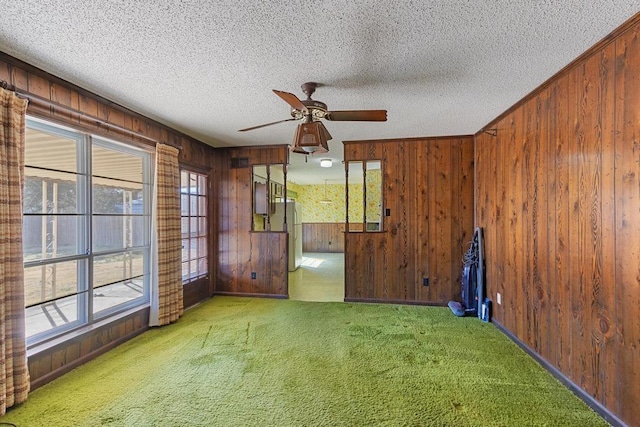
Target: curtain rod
[[41, 102]]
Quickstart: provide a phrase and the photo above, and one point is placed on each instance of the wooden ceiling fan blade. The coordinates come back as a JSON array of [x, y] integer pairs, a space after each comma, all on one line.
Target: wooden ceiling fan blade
[[292, 100], [357, 116], [267, 124]]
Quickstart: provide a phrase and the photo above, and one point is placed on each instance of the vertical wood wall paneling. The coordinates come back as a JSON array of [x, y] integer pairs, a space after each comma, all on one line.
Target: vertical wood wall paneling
[[414, 283], [5, 70], [455, 218], [323, 237], [46, 365], [494, 212], [406, 206], [466, 205], [421, 259], [280, 265], [390, 197], [241, 251], [576, 229], [627, 189], [483, 144], [520, 215], [590, 160], [443, 200], [437, 251], [424, 180], [540, 261], [222, 215], [374, 269], [568, 159], [603, 318], [513, 233], [528, 233], [433, 153], [502, 217], [565, 218], [547, 155]]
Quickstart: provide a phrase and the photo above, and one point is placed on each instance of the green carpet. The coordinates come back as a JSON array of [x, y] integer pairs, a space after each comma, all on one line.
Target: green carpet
[[264, 362]]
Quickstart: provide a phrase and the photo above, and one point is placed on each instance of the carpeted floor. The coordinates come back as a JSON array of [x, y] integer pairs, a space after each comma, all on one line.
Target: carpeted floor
[[263, 362]]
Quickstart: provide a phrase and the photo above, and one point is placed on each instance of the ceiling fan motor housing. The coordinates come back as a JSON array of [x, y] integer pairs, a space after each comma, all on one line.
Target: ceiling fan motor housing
[[315, 109]]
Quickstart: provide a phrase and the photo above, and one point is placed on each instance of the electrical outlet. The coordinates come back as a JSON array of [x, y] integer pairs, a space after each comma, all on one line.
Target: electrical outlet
[[425, 281], [499, 298], [253, 274]]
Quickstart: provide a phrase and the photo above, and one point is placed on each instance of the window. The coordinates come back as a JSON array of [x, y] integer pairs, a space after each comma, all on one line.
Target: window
[[193, 207], [86, 229], [268, 197], [365, 212]]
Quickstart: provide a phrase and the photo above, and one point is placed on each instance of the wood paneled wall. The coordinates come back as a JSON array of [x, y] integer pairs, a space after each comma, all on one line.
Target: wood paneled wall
[[60, 357], [61, 102], [323, 237], [239, 250], [428, 188], [558, 195]]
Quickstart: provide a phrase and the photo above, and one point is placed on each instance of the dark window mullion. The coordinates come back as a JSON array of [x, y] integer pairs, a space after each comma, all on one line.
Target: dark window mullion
[[88, 165], [50, 300], [118, 179], [102, 285]]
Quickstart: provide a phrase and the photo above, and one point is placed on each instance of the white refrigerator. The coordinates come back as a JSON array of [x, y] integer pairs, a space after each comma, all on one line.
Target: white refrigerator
[[294, 227]]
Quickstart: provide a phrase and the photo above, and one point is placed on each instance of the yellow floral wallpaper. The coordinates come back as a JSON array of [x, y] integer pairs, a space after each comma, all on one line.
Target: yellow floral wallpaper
[[310, 197], [374, 195], [294, 187]]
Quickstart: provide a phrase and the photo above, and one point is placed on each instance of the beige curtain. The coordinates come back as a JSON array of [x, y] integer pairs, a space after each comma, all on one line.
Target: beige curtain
[[14, 376], [166, 303]]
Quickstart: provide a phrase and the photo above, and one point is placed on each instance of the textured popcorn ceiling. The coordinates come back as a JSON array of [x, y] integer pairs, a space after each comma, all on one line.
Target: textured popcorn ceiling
[[207, 67]]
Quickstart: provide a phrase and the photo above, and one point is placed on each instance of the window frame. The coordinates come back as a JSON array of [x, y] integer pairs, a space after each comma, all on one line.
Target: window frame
[[85, 256], [201, 195], [364, 225]]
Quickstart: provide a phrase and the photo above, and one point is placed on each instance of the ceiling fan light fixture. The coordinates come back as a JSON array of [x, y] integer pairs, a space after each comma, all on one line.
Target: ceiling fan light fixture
[[311, 138], [326, 163]]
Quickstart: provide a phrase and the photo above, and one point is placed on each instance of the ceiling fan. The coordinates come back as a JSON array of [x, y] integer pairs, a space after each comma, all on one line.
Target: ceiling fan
[[311, 136]]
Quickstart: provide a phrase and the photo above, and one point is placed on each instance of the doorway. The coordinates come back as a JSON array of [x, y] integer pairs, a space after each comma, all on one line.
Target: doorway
[[319, 278]]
